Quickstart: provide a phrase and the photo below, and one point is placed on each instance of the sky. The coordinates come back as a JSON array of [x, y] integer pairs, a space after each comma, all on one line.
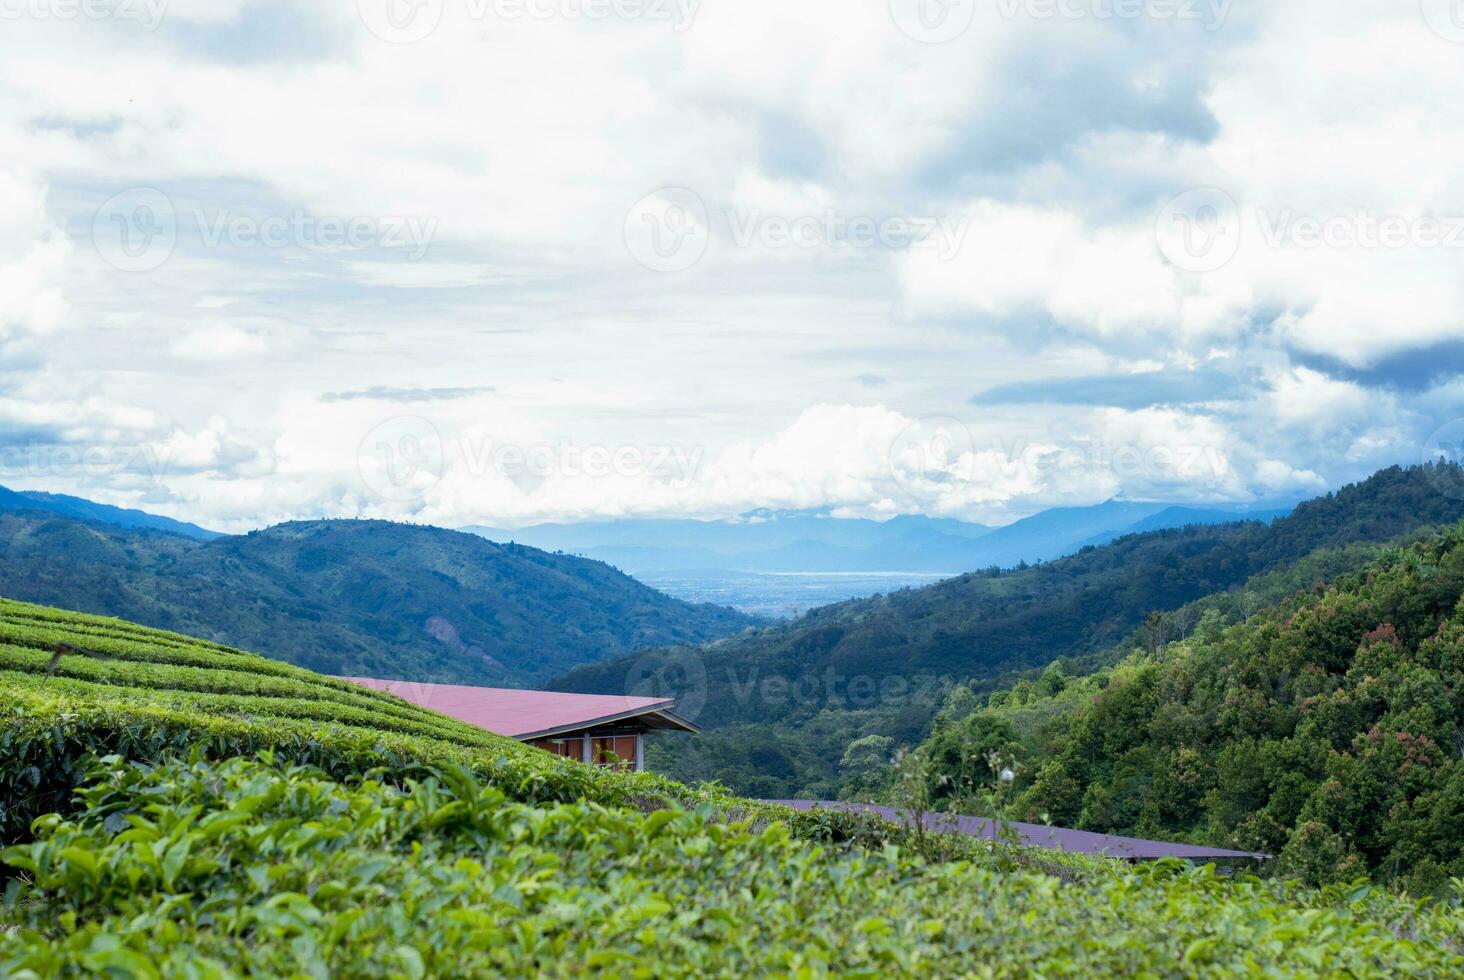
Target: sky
[[506, 261]]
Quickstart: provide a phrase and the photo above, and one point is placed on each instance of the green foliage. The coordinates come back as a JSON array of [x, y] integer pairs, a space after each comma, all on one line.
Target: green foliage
[[357, 598], [165, 826], [1327, 731], [958, 757], [159, 700], [197, 869], [884, 665]]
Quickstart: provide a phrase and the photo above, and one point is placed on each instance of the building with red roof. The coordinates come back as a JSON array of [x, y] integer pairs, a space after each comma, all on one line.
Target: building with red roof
[[607, 730]]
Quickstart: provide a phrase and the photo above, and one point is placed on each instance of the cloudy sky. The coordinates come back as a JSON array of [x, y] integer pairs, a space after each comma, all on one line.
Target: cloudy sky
[[499, 261]]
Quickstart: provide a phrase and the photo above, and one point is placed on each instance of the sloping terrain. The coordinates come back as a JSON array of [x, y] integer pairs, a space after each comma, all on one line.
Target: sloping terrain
[[365, 598], [1326, 730], [792, 697], [88, 510], [778, 541], [206, 812]]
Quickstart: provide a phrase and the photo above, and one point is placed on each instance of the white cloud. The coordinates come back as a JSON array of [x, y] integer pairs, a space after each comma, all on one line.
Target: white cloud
[[219, 342], [32, 261], [526, 141]]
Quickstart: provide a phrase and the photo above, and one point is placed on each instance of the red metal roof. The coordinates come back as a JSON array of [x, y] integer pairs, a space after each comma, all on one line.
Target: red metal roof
[[524, 714]]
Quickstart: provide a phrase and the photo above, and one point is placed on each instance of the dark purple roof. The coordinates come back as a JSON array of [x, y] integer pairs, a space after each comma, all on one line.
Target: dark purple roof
[[1038, 835]]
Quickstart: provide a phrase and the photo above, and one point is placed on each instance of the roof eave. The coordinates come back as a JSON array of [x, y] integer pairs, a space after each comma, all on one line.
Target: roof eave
[[677, 722]]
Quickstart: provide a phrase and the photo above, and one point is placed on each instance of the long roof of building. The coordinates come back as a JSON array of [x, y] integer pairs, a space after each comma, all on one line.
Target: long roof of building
[[1039, 835], [530, 714]]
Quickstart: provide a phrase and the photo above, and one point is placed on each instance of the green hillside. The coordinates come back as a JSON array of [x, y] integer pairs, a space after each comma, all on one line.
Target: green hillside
[[179, 808], [89, 510], [784, 702], [1326, 730], [357, 598]]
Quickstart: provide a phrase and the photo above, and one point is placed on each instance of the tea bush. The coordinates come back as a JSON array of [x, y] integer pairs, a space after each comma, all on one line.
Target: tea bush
[[170, 816], [217, 869]]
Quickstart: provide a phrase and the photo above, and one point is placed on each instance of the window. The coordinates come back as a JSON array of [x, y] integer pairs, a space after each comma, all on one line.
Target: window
[[614, 750], [570, 748], [605, 750]]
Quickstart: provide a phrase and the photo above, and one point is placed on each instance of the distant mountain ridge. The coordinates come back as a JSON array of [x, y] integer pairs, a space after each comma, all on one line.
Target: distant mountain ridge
[[771, 541], [1174, 517], [367, 598], [89, 510], [781, 704]]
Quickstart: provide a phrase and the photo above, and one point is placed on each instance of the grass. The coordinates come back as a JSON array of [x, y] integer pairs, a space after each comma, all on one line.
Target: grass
[[185, 809]]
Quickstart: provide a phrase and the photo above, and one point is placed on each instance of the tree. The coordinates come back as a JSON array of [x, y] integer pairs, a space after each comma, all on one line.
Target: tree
[[866, 755]]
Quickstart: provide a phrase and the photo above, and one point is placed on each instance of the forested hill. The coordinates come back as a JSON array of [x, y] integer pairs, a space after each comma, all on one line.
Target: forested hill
[[356, 597], [90, 510], [873, 666], [983, 623], [1326, 731]]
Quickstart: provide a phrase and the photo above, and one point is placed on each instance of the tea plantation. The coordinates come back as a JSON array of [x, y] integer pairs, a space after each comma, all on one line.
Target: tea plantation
[[177, 808]]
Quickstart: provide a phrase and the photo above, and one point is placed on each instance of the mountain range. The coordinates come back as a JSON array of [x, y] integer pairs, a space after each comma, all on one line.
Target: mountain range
[[364, 598], [802, 541], [88, 510], [782, 703]]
